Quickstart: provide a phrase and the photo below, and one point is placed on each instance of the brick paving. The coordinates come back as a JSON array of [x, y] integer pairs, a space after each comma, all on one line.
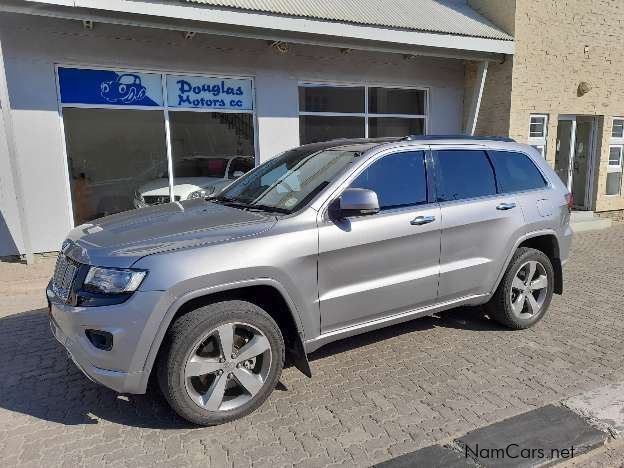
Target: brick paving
[[373, 397]]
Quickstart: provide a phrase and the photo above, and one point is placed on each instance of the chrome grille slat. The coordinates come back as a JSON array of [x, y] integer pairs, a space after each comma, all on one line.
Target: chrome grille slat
[[64, 275]]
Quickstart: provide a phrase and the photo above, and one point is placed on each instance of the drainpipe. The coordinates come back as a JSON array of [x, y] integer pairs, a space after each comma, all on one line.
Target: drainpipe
[[7, 118], [477, 94]]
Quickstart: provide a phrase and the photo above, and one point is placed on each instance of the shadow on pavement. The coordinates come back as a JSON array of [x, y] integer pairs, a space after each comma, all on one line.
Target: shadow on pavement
[[462, 318], [38, 378]]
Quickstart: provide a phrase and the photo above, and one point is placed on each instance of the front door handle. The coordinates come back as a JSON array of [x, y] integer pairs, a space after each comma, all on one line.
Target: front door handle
[[506, 206], [421, 220]]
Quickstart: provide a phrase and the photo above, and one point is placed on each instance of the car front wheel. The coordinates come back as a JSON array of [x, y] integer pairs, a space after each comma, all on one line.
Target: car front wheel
[[221, 362], [525, 292]]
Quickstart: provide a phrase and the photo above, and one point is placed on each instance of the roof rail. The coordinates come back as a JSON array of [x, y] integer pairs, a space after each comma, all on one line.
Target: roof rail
[[457, 137]]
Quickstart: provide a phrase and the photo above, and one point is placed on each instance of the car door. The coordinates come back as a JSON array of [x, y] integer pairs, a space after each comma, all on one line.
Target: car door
[[386, 263], [479, 224]]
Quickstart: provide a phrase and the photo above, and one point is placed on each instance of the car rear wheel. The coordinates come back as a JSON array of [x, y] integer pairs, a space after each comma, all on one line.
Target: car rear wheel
[[525, 292], [221, 362]]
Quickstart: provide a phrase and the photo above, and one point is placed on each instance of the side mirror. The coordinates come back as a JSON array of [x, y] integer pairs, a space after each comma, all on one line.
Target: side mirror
[[358, 202], [237, 174]]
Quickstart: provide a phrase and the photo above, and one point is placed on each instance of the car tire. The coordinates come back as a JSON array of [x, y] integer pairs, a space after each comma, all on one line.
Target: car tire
[[210, 375], [524, 294]]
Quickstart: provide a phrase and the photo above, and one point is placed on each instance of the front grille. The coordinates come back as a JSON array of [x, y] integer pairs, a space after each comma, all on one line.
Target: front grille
[[158, 199], [64, 275]]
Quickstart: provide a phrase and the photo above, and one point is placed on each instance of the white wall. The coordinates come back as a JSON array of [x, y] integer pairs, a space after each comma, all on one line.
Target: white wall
[[33, 45]]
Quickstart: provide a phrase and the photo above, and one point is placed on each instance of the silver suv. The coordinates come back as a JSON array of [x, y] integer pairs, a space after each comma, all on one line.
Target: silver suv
[[211, 297]]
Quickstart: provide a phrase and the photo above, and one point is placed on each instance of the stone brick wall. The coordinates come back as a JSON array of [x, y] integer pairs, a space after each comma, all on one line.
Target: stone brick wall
[[559, 43]]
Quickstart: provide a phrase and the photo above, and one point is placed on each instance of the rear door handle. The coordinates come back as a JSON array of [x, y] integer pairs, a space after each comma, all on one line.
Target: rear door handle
[[421, 220], [506, 206]]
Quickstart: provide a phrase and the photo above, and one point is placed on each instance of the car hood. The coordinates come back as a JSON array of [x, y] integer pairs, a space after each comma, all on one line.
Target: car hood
[[122, 239]]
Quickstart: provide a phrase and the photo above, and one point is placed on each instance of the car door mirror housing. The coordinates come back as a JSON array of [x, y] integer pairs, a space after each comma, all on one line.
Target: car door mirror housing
[[357, 202], [237, 174]]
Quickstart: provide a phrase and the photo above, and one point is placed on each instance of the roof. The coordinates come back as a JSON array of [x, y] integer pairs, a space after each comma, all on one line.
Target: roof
[[440, 16]]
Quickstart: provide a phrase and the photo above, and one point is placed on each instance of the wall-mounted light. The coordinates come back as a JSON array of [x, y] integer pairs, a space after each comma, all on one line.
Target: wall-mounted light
[[583, 88], [189, 35], [282, 48], [87, 24]]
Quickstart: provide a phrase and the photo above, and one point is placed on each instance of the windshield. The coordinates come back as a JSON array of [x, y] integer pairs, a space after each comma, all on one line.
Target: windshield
[[291, 180], [199, 167]]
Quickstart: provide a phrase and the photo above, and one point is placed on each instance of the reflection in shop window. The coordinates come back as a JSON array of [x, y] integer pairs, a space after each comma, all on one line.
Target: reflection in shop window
[[111, 152], [204, 145], [314, 128]]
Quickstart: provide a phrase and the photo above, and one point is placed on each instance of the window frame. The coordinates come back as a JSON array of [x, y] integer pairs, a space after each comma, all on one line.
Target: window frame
[[165, 109], [617, 119], [539, 143], [366, 114], [616, 142], [613, 168]]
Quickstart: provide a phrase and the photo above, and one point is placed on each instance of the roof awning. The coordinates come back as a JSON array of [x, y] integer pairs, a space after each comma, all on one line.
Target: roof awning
[[438, 16], [445, 28]]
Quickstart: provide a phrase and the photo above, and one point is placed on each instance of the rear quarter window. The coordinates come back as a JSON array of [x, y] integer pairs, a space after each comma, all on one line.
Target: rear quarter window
[[515, 172]]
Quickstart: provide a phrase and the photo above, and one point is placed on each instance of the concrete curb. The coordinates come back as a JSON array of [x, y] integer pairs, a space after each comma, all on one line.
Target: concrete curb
[[549, 435]]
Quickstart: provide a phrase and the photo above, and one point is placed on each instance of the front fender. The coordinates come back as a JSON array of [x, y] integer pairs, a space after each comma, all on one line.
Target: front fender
[[177, 301]]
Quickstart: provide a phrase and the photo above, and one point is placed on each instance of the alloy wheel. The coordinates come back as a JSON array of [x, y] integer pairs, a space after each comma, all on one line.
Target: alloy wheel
[[227, 367], [529, 290]]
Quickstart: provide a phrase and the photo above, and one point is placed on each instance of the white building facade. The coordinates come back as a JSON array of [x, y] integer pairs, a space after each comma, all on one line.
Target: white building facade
[[105, 99]]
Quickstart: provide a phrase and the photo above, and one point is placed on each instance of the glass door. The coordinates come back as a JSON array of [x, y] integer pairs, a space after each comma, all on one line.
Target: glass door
[[564, 150], [574, 157], [581, 163]]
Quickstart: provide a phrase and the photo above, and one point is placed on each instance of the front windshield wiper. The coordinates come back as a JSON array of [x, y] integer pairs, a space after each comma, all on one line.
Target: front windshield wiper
[[249, 206]]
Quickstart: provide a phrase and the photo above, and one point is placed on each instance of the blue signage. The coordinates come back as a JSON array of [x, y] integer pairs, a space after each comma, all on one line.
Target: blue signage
[[108, 87], [201, 92]]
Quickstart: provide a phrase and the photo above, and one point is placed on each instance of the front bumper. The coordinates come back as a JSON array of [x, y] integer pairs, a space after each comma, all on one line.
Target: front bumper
[[133, 327]]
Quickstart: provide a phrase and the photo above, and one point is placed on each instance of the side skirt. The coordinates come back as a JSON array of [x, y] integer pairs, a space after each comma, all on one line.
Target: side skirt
[[334, 335]]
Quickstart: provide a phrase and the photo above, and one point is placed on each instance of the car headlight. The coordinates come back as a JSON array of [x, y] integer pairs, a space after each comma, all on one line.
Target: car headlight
[[203, 193], [113, 281]]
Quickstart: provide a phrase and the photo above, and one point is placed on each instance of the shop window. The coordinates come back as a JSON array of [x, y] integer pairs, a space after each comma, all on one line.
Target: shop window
[[202, 146], [111, 152], [329, 112], [342, 99], [122, 154], [538, 132], [396, 101], [315, 128], [394, 127]]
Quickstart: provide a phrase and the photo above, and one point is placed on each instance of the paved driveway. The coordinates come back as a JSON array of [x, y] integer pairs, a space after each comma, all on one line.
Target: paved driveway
[[372, 397]]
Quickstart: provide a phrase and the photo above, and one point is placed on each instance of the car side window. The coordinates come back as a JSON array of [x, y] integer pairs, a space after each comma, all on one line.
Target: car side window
[[464, 174], [515, 172], [398, 179], [240, 164]]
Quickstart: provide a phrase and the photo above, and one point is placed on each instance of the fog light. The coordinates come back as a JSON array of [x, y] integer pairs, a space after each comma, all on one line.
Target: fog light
[[100, 339]]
